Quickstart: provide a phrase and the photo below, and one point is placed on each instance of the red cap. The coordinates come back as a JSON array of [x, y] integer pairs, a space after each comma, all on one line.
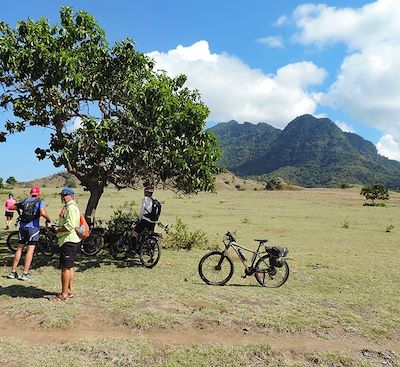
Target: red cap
[[35, 191]]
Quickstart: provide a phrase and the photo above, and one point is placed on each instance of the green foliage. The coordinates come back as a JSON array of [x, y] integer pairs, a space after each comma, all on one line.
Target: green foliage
[[273, 184], [178, 236], [120, 222], [346, 186], [150, 126], [11, 181], [375, 192], [1, 183]]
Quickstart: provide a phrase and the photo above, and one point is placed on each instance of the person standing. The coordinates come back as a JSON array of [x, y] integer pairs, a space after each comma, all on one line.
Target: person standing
[[69, 242], [30, 209], [9, 213]]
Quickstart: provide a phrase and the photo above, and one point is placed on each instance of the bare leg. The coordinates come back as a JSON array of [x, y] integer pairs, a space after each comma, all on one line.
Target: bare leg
[[28, 258], [71, 282], [17, 257], [65, 281]]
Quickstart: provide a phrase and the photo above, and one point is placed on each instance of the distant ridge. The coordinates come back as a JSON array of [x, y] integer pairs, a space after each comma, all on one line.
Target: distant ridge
[[310, 152]]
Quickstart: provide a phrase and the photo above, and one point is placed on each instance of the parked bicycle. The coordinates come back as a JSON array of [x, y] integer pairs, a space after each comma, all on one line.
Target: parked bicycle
[[146, 246], [268, 265], [47, 244], [92, 245]]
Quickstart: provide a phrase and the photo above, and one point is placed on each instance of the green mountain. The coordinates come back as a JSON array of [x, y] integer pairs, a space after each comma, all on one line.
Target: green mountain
[[309, 152]]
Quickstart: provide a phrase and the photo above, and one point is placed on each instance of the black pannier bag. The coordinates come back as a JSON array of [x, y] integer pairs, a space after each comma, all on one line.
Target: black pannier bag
[[276, 256]]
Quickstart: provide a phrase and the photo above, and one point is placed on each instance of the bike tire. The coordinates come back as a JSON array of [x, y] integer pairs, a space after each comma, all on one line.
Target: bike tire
[[120, 248], [92, 245], [211, 264], [47, 243], [149, 252], [265, 275], [12, 241]]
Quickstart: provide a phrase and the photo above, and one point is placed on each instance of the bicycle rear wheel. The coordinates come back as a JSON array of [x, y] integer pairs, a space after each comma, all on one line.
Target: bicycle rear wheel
[[149, 252], [121, 247], [269, 276], [12, 241], [215, 268]]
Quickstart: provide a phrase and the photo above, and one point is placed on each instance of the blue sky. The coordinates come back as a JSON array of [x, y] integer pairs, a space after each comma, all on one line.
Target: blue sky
[[251, 60]]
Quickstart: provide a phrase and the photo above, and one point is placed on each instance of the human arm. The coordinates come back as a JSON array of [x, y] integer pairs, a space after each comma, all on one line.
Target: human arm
[[71, 219]]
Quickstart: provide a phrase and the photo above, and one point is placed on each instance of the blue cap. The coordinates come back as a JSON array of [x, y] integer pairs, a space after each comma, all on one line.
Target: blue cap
[[67, 191]]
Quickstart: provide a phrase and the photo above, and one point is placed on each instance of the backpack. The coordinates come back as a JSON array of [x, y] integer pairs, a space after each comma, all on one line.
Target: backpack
[[27, 208], [155, 210], [83, 230]]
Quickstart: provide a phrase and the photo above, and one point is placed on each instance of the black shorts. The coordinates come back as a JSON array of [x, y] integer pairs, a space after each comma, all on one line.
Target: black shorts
[[68, 253], [144, 224], [9, 214]]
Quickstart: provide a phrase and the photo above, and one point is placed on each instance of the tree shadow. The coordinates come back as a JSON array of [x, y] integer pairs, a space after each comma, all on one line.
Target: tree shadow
[[19, 290], [82, 262]]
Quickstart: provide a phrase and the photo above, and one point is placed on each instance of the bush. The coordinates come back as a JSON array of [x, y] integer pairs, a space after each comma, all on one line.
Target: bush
[[119, 222], [273, 184], [179, 237]]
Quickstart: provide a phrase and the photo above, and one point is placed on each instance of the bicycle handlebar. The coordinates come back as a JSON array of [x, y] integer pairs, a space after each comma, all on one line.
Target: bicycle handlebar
[[230, 236]]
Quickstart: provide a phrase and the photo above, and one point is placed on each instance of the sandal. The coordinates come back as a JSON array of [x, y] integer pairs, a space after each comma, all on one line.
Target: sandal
[[59, 297]]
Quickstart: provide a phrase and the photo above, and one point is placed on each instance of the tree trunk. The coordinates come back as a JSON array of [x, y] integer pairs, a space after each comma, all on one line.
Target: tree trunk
[[95, 195]]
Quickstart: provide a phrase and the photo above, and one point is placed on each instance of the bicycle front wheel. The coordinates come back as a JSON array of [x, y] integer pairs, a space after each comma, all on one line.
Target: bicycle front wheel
[[47, 242], [270, 276], [149, 252], [215, 268], [12, 241], [93, 244]]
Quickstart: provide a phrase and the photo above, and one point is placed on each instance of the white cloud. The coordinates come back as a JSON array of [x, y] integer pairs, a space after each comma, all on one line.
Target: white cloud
[[232, 90], [368, 82], [389, 147], [344, 127], [272, 41], [281, 20]]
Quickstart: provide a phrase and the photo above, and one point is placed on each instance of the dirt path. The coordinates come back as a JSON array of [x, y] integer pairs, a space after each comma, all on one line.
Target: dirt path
[[285, 343]]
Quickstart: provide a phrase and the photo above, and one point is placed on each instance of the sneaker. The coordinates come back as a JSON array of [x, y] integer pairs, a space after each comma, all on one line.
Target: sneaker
[[12, 275], [26, 276]]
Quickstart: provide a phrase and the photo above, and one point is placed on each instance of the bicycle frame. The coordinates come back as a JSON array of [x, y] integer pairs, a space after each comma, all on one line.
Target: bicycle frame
[[237, 247]]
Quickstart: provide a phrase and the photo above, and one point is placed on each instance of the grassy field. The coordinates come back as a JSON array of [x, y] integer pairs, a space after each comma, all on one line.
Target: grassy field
[[340, 306]]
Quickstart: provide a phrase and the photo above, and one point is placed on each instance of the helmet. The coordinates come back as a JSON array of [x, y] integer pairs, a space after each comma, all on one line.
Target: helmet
[[67, 191], [149, 188], [35, 191]]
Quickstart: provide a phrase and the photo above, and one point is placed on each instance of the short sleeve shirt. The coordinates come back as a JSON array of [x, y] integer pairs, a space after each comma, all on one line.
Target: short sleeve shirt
[[34, 223]]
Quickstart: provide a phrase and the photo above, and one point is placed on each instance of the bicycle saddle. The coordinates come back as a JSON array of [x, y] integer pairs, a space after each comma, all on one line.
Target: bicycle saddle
[[261, 241]]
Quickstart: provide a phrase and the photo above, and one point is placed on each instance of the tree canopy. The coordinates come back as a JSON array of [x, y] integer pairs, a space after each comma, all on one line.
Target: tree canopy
[[134, 123]]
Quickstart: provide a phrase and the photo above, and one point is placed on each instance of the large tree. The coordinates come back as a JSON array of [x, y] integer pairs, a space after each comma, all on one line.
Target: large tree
[[135, 123]]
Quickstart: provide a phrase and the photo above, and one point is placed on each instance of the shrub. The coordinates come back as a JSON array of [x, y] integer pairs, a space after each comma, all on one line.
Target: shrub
[[119, 222], [273, 184], [346, 186], [246, 220], [389, 228], [345, 223], [179, 237]]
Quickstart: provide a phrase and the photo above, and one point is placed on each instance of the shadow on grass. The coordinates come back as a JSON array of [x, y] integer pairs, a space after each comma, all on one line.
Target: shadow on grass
[[82, 262], [19, 290]]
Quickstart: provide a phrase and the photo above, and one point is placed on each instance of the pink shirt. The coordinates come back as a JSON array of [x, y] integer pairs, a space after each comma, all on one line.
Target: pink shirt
[[8, 204]]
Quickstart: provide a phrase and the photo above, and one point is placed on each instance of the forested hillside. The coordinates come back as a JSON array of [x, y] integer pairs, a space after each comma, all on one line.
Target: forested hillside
[[311, 152]]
